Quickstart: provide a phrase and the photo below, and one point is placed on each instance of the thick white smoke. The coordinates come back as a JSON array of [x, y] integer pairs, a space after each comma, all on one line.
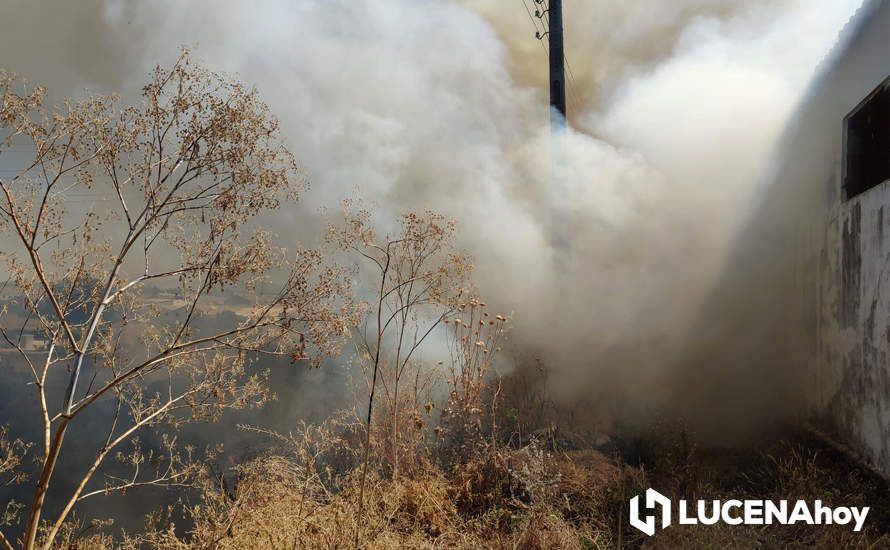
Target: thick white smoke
[[438, 104]]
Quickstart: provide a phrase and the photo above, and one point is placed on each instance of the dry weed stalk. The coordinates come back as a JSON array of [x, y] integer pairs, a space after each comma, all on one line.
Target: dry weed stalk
[[180, 179], [476, 339], [419, 282]]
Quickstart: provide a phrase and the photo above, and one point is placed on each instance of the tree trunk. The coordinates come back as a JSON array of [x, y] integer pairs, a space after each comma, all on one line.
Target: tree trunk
[[49, 466]]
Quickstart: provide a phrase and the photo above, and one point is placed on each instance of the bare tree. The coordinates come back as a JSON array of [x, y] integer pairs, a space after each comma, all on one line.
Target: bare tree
[[419, 278], [116, 201]]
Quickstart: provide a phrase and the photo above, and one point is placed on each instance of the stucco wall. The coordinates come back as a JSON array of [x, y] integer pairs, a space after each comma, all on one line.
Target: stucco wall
[[850, 372]]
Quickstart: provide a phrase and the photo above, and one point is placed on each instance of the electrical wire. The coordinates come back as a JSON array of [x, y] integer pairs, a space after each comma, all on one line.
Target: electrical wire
[[535, 25]]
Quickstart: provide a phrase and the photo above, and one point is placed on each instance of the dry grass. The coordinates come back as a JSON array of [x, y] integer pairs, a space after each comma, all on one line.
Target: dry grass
[[518, 499], [521, 498]]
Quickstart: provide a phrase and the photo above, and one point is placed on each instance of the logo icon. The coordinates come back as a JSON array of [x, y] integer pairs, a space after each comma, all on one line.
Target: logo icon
[[653, 499]]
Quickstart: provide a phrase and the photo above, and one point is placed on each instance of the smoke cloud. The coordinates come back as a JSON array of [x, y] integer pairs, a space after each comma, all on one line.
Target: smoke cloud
[[605, 241]]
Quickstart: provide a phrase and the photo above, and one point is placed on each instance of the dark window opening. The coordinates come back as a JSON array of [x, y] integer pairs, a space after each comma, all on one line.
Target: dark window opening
[[867, 143]]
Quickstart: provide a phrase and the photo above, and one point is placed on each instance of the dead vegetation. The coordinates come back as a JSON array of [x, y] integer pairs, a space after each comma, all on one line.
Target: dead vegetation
[[519, 498], [181, 178], [449, 452], [496, 500]]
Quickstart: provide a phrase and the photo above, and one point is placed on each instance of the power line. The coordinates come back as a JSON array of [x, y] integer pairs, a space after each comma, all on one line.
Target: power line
[[530, 18], [573, 85], [535, 25]]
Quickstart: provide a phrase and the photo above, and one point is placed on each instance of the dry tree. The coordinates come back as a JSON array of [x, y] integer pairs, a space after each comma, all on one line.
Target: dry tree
[[419, 278], [116, 202]]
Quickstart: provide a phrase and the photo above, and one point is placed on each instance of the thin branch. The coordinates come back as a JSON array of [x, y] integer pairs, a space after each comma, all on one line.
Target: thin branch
[[100, 457], [38, 267], [4, 542]]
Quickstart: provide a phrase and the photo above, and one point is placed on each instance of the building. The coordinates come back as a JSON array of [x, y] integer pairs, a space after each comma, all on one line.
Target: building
[[835, 167]]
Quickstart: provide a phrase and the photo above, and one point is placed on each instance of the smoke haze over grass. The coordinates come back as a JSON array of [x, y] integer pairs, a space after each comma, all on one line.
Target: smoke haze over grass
[[433, 104]]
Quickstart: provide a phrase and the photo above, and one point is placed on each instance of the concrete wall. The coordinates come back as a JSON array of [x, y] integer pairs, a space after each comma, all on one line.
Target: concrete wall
[[850, 365]]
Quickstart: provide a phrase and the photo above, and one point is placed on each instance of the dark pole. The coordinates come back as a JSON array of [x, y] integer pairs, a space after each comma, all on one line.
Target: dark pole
[[557, 57], [559, 234]]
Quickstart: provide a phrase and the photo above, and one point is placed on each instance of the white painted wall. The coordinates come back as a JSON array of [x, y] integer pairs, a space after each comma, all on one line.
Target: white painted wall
[[849, 370]]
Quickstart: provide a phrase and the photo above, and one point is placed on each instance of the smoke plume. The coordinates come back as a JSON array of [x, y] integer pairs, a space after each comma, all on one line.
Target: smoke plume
[[606, 241]]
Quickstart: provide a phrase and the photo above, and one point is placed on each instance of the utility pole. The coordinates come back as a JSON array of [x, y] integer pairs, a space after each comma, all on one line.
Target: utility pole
[[560, 242], [557, 63], [554, 31]]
